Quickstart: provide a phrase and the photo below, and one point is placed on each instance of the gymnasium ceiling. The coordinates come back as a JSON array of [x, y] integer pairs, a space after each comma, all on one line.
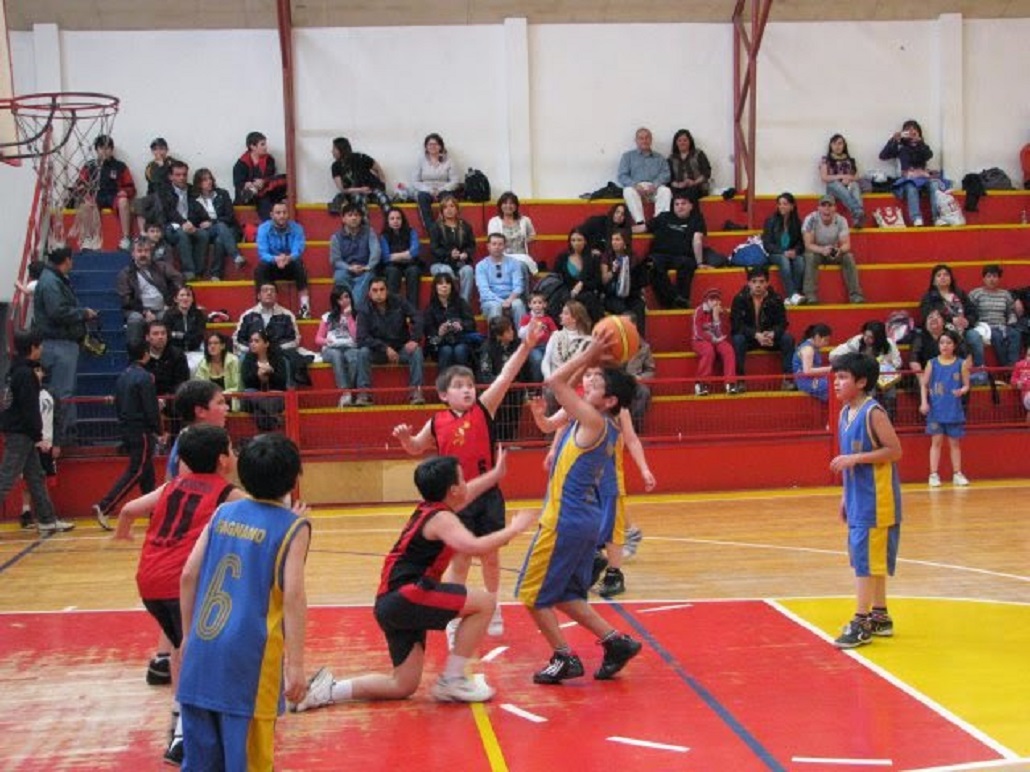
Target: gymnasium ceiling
[[243, 14]]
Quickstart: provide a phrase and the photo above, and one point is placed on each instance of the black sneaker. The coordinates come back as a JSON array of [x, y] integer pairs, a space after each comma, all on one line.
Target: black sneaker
[[881, 625], [26, 521], [600, 563], [618, 650], [857, 632], [560, 668], [614, 583], [159, 671], [173, 755]]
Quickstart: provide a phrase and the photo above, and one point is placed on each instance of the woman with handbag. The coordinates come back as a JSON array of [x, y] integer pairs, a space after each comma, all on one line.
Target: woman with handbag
[[338, 337], [449, 324]]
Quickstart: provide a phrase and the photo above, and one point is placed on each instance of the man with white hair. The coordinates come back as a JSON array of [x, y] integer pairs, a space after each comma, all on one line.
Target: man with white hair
[[644, 174]]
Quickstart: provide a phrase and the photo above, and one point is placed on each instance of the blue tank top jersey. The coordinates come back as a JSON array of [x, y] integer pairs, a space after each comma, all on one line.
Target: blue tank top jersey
[[572, 498], [872, 492], [613, 480], [817, 386], [945, 407], [172, 464], [233, 659]]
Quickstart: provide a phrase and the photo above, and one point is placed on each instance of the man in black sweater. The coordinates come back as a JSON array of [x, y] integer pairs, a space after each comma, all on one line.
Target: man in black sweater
[[678, 245], [22, 426], [391, 331]]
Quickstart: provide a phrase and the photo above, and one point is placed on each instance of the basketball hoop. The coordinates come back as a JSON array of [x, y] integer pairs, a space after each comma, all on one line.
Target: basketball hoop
[[57, 131]]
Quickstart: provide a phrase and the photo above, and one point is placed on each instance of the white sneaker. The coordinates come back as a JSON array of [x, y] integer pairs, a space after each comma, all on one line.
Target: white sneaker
[[124, 244], [461, 689], [917, 223], [935, 480], [60, 526], [959, 479], [496, 627], [345, 401], [319, 694], [102, 519], [452, 631]]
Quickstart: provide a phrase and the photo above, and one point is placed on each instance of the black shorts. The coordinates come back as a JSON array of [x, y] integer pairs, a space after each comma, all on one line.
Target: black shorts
[[106, 200], [405, 614], [169, 616], [485, 515]]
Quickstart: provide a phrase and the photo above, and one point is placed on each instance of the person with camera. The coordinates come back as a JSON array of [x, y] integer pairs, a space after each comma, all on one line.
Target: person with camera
[[827, 240], [913, 154]]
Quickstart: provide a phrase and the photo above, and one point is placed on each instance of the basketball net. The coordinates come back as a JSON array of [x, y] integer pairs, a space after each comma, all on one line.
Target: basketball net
[[57, 132]]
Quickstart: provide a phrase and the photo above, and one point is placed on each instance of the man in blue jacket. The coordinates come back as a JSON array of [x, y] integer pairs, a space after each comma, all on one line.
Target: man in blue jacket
[[280, 246]]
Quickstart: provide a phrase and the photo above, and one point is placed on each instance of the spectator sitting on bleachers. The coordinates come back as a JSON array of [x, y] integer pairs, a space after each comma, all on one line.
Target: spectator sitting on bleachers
[[828, 241], [622, 275], [872, 341], [599, 228], [996, 309], [572, 338], [923, 347], [167, 363], [146, 289], [358, 177], [678, 245], [580, 271], [277, 322], [148, 208], [642, 367], [280, 247], [113, 183], [500, 346], [643, 174], [224, 233], [391, 329], [254, 177], [958, 311], [354, 253], [449, 325], [219, 365], [810, 374], [187, 224], [711, 339], [435, 175], [537, 315], [452, 244], [264, 368], [187, 326], [840, 173], [500, 281], [783, 242], [160, 249], [399, 255], [517, 229], [689, 168], [338, 338], [759, 321], [913, 154]]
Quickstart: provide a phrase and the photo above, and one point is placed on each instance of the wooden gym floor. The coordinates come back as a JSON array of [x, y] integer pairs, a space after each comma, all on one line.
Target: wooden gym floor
[[736, 598]]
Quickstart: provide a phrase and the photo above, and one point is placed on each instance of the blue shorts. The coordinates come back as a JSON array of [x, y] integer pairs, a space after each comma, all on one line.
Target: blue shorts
[[955, 431], [219, 742], [558, 567], [873, 551], [613, 520]]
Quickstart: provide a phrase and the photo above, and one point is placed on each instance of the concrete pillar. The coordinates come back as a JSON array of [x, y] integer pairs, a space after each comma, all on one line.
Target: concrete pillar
[[519, 150]]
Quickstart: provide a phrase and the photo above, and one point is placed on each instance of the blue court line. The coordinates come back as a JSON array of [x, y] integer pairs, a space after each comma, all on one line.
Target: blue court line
[[707, 697], [11, 561]]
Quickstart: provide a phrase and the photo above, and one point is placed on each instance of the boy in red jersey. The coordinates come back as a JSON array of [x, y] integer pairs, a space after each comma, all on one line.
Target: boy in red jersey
[[178, 512], [466, 430], [412, 598]]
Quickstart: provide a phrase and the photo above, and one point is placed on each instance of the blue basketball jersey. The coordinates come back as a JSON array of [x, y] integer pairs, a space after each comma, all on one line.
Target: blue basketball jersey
[[233, 659], [573, 488], [945, 407], [872, 492]]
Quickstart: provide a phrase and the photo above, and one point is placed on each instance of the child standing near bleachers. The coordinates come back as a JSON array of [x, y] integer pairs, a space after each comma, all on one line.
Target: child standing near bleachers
[[945, 381]]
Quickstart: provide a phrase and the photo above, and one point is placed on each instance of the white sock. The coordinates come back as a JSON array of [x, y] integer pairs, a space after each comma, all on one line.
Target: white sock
[[177, 732], [455, 667], [342, 690]]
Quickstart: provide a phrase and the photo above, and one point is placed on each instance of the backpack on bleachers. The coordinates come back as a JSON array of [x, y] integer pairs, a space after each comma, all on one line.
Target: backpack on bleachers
[[477, 186], [996, 179], [749, 254], [555, 293]]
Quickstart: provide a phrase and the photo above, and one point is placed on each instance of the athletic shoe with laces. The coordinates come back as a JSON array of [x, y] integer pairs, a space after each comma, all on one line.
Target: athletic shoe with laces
[[881, 625], [935, 480], [345, 401], [102, 519], [633, 538], [461, 689], [614, 583], [959, 479], [27, 523], [159, 670], [600, 563], [561, 668], [618, 650], [174, 753], [857, 632], [55, 526], [700, 390], [319, 693], [496, 626], [304, 312]]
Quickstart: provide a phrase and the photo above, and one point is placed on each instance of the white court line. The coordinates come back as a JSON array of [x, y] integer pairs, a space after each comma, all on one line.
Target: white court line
[[933, 705], [665, 608], [516, 711], [849, 762], [648, 744], [567, 625], [493, 654], [1009, 764]]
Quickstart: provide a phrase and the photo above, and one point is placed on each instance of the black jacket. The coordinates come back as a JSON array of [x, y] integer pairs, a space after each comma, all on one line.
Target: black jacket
[[674, 236], [135, 401], [281, 329], [224, 212], [773, 231], [442, 240], [391, 326], [933, 301], [249, 375], [170, 370], [167, 280], [186, 331], [458, 310], [772, 315], [56, 313], [196, 213], [23, 417]]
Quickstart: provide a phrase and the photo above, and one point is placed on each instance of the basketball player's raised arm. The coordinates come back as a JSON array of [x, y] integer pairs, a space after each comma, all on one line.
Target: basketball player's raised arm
[[560, 382], [139, 507], [492, 397], [415, 445], [446, 527]]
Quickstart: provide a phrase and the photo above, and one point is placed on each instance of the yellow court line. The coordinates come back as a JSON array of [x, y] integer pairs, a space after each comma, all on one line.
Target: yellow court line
[[486, 733]]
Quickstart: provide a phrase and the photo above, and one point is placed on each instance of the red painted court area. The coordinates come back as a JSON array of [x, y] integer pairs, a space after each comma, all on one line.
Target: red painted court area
[[719, 686]]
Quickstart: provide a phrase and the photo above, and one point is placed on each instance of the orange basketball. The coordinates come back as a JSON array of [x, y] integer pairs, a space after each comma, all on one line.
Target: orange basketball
[[624, 335]]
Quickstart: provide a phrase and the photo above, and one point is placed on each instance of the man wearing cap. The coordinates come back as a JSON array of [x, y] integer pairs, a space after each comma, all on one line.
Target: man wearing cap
[[146, 289], [827, 240]]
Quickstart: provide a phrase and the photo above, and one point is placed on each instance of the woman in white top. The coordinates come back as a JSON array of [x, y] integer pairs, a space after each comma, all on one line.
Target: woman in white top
[[434, 176], [517, 229], [872, 341], [224, 232]]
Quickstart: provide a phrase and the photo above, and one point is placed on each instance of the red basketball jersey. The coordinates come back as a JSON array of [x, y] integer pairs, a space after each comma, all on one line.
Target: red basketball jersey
[[469, 437]]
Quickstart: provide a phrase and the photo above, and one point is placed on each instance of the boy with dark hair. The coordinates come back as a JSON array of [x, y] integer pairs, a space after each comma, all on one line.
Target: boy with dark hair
[[412, 598], [243, 608], [22, 425], [113, 183], [178, 512], [557, 571], [871, 503], [136, 405], [466, 430], [254, 177]]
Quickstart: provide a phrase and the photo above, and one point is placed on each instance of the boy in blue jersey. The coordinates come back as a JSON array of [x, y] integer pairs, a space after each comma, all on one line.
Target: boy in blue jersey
[[871, 504], [243, 607], [556, 575]]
